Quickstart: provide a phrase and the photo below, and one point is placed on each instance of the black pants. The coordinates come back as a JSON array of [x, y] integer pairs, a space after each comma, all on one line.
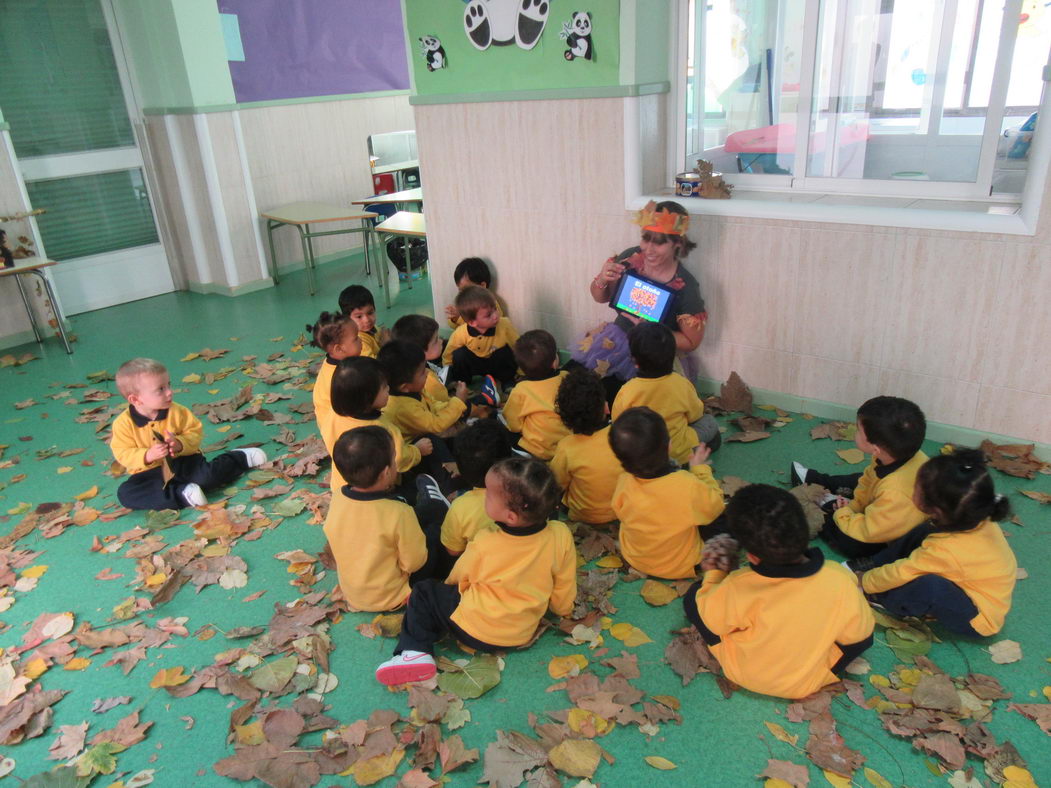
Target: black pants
[[430, 512], [500, 364], [835, 484], [146, 490], [428, 617], [928, 595], [846, 546]]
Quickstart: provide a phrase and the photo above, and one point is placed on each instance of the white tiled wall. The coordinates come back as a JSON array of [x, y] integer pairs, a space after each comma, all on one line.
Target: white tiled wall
[[957, 322]]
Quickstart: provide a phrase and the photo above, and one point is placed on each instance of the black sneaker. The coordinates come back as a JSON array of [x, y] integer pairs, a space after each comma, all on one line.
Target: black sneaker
[[799, 473], [427, 487]]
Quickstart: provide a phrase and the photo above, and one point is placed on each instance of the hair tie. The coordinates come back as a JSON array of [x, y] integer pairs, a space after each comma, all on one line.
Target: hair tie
[[997, 498]]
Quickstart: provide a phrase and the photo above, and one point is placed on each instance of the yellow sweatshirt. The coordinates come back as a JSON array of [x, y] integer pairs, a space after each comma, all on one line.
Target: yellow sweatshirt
[[405, 454], [456, 322], [675, 399], [979, 561], [322, 395], [586, 468], [410, 414], [370, 343], [482, 345], [133, 435], [882, 508], [377, 543], [783, 627], [508, 578], [659, 519], [465, 519], [435, 393], [530, 410]]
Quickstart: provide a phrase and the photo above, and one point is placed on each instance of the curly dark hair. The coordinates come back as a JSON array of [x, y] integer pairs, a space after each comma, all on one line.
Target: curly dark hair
[[329, 329], [957, 491], [769, 523], [478, 447], [581, 401], [530, 486]]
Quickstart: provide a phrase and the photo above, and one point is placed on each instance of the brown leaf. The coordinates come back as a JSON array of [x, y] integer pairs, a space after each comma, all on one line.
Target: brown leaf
[[282, 727], [746, 437], [795, 774], [1042, 497], [416, 778], [1014, 459], [576, 757], [936, 692], [734, 395], [510, 757], [1040, 713], [826, 749], [453, 755], [945, 746], [429, 706], [69, 742], [126, 733]]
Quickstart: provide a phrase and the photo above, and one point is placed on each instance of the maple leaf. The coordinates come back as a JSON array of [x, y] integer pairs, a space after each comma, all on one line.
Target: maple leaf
[[98, 760], [28, 716], [1016, 459], [126, 733], [453, 754], [69, 742], [795, 774], [734, 395], [510, 757], [102, 705], [747, 437], [1040, 713], [826, 749], [428, 706], [416, 778]]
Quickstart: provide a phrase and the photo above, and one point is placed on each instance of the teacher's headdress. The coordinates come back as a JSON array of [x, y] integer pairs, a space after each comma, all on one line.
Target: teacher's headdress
[[663, 221]]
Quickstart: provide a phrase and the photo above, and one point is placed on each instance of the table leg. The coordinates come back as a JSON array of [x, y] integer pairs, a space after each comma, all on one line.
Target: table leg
[[270, 225], [366, 228], [54, 306], [29, 309], [408, 260], [308, 256], [381, 271]]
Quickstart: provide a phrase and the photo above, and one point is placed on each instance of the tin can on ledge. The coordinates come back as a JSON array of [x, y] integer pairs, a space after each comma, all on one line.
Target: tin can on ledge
[[687, 184]]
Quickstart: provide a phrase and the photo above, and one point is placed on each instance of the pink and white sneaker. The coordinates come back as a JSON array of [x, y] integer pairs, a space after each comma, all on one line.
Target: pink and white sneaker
[[405, 667]]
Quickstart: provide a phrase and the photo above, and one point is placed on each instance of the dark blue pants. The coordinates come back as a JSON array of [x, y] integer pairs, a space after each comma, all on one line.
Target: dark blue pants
[[845, 545], [146, 490], [500, 364], [929, 595], [430, 512], [428, 617]]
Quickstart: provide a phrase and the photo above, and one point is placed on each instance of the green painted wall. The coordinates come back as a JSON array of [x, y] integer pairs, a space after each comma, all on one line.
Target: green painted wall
[[652, 21], [176, 51], [508, 68]]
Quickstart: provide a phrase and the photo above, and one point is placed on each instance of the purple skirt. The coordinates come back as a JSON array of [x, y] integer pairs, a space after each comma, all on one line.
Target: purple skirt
[[604, 349]]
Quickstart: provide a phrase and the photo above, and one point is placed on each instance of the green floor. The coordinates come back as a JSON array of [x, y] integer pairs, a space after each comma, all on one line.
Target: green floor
[[719, 742]]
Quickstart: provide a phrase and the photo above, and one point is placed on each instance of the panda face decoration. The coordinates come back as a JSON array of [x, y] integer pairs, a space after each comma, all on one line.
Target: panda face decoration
[[505, 22], [577, 35], [433, 53]]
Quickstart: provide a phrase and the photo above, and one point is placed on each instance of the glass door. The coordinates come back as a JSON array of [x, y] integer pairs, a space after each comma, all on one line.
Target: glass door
[[69, 111]]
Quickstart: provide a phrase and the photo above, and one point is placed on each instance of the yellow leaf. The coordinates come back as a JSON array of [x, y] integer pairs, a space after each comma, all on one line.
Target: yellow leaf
[[610, 562], [629, 634], [21, 508], [156, 579], [576, 757], [1047, 693], [85, 516], [781, 734], [192, 378], [35, 571], [877, 779], [190, 357], [837, 780], [78, 663], [658, 594], [65, 469], [89, 493], [668, 700], [1017, 777], [853, 456], [34, 669], [657, 762], [213, 391], [877, 680], [606, 622], [910, 676], [776, 782], [224, 428], [372, 770], [169, 677], [250, 735], [588, 724], [571, 665]]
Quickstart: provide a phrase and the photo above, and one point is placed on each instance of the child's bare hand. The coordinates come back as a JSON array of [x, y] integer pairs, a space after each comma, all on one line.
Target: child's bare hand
[[174, 444], [461, 390], [839, 503], [700, 455], [452, 312], [157, 451], [424, 445]]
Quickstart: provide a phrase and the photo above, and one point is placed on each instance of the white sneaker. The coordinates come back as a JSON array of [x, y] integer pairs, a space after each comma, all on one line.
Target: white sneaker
[[255, 457], [799, 472], [406, 667], [193, 495]]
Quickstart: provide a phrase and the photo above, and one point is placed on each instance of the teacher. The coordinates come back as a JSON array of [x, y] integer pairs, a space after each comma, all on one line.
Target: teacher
[[658, 257]]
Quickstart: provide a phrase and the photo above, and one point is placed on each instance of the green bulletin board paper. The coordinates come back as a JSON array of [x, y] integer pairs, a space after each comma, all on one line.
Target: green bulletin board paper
[[509, 68]]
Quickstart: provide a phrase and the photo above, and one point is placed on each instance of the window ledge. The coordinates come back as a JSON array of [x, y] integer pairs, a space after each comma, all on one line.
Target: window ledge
[[879, 211]]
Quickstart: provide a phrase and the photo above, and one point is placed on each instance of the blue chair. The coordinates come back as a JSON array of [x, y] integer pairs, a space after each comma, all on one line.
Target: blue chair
[[383, 212]]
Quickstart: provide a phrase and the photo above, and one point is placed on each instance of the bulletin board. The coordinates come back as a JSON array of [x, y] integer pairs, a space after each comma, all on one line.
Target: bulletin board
[[283, 49]]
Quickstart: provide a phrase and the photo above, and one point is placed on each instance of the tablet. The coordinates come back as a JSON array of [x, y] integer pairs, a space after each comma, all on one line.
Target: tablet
[[643, 298]]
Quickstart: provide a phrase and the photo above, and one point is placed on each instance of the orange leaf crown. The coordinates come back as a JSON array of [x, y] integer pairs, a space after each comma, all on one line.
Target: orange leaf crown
[[666, 222]]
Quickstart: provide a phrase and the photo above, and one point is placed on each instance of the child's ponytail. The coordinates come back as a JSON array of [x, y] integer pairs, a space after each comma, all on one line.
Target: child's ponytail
[[957, 491], [327, 330]]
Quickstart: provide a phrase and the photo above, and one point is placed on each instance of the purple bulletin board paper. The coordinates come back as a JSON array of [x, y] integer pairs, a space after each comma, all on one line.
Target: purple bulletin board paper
[[300, 48]]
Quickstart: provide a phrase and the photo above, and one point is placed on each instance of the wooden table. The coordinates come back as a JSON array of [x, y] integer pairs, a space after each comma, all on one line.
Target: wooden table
[[36, 266], [406, 223], [303, 214], [393, 198]]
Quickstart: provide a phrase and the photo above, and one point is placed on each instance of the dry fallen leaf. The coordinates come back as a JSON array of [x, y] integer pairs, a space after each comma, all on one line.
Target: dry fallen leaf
[[657, 762], [852, 456], [629, 634], [658, 594], [570, 665], [1005, 651], [781, 734]]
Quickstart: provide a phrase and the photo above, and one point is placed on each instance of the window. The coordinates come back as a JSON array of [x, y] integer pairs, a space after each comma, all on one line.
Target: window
[[932, 98]]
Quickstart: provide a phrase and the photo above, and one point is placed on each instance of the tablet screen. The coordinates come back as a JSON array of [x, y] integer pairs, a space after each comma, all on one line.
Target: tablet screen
[[643, 298]]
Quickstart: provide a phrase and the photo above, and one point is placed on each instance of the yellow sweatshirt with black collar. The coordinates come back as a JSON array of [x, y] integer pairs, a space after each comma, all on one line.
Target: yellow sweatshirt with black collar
[[133, 435], [434, 392], [465, 519], [370, 343], [377, 543], [659, 519], [481, 344], [882, 508], [322, 396], [782, 628], [675, 399], [411, 414], [405, 454], [588, 470], [530, 410], [979, 561], [509, 577]]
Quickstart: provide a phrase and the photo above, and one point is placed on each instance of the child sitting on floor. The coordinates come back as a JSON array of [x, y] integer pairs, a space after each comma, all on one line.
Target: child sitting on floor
[[337, 335], [502, 585], [381, 547], [660, 506], [154, 433], [882, 510], [657, 386], [480, 446], [357, 303], [584, 463], [405, 366], [530, 407], [957, 567], [470, 271], [482, 345], [790, 622], [359, 394], [422, 331]]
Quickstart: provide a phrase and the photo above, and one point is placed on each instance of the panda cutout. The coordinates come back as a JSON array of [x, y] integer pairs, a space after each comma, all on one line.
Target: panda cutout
[[433, 53], [577, 35], [504, 22]]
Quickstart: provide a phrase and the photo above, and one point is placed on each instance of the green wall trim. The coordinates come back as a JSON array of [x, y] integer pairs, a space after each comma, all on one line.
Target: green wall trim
[[20, 338], [274, 103], [210, 288], [606, 91], [4, 126], [936, 431]]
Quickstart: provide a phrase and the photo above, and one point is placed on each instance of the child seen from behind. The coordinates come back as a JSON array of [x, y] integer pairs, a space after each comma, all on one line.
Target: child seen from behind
[[337, 335], [477, 448], [530, 407]]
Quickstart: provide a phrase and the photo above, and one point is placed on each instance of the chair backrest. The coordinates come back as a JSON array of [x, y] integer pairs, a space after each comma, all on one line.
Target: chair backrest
[[384, 211]]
